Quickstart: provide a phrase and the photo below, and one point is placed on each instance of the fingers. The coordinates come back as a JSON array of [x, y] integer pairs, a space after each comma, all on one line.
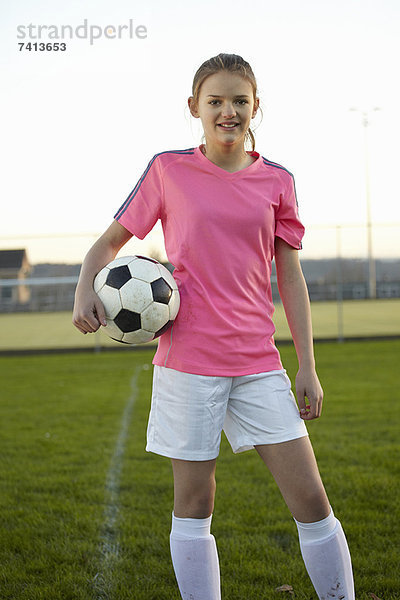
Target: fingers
[[90, 321], [311, 410], [309, 397], [301, 400], [304, 406], [311, 407], [100, 312], [79, 328], [86, 324]]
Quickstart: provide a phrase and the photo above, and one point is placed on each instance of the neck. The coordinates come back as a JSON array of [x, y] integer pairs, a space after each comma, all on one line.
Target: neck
[[227, 157]]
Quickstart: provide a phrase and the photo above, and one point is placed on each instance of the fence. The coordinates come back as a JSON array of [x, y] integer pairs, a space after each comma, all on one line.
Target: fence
[[352, 294]]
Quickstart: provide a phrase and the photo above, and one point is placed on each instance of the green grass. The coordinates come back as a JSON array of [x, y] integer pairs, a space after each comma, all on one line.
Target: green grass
[[55, 330], [60, 418]]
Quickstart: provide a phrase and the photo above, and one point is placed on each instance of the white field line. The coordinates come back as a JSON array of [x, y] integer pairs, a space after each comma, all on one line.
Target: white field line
[[109, 545]]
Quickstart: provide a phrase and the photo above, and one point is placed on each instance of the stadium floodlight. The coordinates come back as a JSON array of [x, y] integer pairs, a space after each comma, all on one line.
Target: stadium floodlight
[[371, 262]]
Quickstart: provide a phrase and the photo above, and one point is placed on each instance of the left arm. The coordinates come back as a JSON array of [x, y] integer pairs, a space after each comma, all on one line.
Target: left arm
[[294, 295]]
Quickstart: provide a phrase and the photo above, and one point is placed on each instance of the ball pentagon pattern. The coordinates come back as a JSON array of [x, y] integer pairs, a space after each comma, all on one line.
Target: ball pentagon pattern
[[140, 298], [162, 292], [117, 277]]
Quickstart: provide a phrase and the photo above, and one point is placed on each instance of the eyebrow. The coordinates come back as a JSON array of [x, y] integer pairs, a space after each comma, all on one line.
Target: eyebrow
[[219, 96]]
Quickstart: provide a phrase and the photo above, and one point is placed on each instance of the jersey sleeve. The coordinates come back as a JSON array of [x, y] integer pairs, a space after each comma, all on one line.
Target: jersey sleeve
[[142, 208], [287, 222]]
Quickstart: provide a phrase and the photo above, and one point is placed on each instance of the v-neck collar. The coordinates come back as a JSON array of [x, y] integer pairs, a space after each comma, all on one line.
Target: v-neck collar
[[226, 174]]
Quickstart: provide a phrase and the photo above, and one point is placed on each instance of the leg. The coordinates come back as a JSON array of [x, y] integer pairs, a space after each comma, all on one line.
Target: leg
[[186, 419], [194, 488], [322, 541], [193, 549], [295, 470]]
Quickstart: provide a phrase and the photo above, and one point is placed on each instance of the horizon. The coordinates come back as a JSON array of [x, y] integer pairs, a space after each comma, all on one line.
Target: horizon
[[388, 259]]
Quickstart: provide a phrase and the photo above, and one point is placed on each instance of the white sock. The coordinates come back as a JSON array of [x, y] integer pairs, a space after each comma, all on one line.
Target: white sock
[[195, 559], [327, 558]]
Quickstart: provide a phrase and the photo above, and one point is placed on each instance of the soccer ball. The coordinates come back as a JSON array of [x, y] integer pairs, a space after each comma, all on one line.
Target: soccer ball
[[140, 298]]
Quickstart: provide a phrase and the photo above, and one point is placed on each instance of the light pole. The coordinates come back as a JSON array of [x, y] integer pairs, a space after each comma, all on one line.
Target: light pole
[[371, 261]]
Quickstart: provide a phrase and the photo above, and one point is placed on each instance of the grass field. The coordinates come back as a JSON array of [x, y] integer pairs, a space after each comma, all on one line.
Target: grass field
[[85, 511], [55, 330]]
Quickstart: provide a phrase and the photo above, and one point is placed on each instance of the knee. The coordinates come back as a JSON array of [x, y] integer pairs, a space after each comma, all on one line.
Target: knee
[[200, 507], [313, 506], [195, 501]]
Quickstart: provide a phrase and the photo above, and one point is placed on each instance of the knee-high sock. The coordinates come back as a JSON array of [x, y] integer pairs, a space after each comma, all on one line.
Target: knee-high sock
[[327, 558], [195, 559]]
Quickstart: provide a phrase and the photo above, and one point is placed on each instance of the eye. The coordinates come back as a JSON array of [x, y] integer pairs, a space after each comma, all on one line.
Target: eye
[[241, 102]]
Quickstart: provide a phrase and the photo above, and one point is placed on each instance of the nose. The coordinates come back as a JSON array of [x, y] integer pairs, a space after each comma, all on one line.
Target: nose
[[228, 110]]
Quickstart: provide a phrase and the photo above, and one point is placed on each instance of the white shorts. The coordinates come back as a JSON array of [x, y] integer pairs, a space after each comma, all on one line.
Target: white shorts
[[188, 413]]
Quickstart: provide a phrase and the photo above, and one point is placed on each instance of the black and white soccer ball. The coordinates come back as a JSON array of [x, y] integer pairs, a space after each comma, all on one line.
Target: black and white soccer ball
[[140, 298]]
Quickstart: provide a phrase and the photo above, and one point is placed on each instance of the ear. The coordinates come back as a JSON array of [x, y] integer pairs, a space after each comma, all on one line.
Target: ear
[[255, 108], [193, 107]]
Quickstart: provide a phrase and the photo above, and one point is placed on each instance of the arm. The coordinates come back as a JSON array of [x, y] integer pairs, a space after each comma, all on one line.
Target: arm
[[293, 292], [89, 312]]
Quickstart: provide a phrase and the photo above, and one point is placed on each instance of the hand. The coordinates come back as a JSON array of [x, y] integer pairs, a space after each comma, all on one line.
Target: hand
[[308, 387], [89, 312]]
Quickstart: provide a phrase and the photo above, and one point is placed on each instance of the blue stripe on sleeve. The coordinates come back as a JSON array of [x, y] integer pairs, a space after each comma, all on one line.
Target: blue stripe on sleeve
[[135, 190], [269, 163]]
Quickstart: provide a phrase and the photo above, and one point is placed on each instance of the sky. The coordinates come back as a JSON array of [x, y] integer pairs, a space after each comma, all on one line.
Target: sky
[[80, 126]]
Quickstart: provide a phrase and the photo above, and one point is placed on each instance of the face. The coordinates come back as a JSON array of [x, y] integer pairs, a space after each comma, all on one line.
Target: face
[[226, 107]]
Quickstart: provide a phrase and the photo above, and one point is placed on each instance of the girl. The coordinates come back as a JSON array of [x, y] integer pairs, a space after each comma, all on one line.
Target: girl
[[226, 212]]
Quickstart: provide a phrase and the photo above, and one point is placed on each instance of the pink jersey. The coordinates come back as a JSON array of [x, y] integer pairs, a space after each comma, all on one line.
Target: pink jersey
[[219, 230]]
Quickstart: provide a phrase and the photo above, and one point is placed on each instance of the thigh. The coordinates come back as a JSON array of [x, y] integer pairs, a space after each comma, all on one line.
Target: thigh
[[187, 414], [194, 488], [295, 470]]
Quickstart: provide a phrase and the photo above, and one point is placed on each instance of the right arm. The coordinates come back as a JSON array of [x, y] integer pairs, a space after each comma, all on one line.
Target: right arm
[[89, 312]]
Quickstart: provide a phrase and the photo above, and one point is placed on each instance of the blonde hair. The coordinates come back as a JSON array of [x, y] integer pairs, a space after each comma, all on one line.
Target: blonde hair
[[226, 62]]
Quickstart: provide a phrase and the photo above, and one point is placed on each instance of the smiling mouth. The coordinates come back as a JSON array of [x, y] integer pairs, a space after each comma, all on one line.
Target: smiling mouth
[[228, 126]]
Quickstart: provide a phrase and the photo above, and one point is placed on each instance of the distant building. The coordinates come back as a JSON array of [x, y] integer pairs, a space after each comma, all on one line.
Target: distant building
[[14, 264], [51, 287]]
